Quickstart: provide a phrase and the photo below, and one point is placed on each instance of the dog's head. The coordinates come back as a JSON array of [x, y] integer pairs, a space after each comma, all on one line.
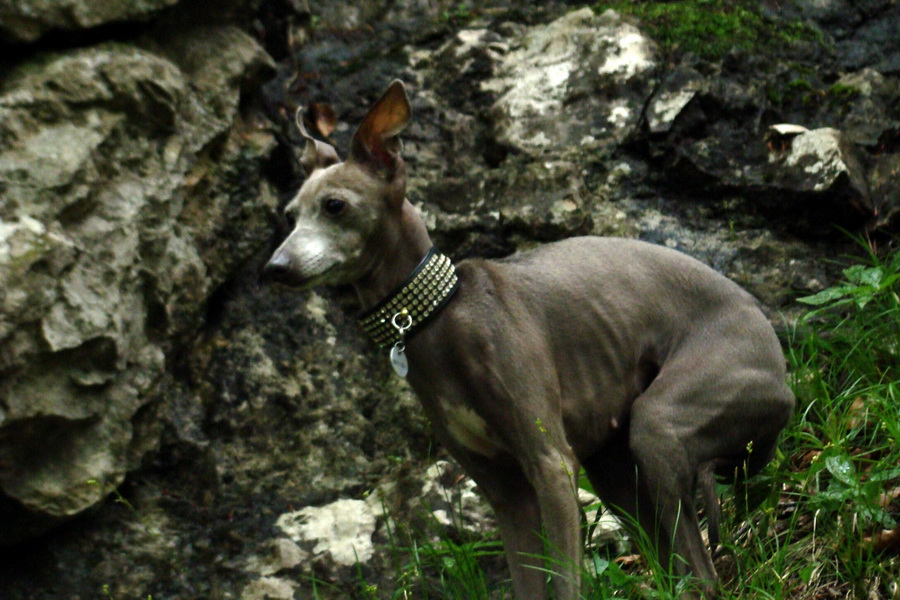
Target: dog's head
[[343, 207]]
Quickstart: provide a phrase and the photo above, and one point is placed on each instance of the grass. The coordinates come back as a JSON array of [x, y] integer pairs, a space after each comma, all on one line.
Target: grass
[[823, 512], [712, 28]]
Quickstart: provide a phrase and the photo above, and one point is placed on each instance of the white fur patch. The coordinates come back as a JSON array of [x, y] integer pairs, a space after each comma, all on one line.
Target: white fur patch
[[310, 248], [312, 254], [470, 430]]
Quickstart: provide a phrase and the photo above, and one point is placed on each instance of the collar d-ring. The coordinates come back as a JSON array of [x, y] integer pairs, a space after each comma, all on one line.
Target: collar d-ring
[[424, 292]]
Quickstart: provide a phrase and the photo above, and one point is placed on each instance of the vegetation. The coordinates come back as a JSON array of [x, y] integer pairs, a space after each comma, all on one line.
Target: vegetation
[[459, 13], [828, 505], [712, 28]]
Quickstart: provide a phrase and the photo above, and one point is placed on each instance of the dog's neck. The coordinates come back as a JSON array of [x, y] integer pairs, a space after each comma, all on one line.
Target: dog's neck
[[399, 252]]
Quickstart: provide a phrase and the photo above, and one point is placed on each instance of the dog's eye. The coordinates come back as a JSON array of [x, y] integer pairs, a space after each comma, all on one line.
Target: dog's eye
[[333, 206]]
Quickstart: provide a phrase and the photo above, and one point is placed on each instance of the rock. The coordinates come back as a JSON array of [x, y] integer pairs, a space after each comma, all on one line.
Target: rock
[[864, 97], [704, 134], [281, 554], [339, 533], [117, 226], [873, 43], [28, 20], [818, 161], [883, 181], [139, 189], [450, 497], [269, 588], [666, 106], [520, 200], [603, 527], [580, 78], [25, 244]]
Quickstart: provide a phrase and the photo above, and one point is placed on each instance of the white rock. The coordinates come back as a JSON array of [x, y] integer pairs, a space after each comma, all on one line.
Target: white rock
[[269, 588], [666, 107], [814, 159], [632, 53], [788, 129], [458, 505], [534, 79], [282, 554], [342, 530], [606, 529]]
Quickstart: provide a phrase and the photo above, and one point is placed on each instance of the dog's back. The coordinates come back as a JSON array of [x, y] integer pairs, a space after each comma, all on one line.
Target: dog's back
[[640, 310]]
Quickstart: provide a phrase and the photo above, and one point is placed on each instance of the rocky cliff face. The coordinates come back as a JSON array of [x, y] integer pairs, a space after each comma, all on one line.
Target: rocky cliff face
[[145, 151], [132, 189]]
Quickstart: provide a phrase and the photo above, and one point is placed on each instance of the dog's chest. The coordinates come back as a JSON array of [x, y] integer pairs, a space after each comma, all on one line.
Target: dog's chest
[[469, 429]]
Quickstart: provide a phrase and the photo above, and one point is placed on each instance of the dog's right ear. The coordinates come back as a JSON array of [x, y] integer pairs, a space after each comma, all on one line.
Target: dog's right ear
[[316, 155], [375, 143]]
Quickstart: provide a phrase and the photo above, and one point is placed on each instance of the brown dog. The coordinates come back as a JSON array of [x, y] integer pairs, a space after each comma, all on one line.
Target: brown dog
[[642, 365]]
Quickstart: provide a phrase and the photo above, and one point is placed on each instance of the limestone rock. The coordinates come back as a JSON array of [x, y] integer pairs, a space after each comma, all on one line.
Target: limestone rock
[[673, 95], [818, 161], [580, 78], [268, 588], [138, 171], [28, 20], [602, 526], [883, 183], [340, 532], [115, 227], [451, 498]]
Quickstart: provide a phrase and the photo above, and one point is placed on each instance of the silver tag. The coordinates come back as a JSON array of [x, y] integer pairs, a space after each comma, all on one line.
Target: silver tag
[[398, 360]]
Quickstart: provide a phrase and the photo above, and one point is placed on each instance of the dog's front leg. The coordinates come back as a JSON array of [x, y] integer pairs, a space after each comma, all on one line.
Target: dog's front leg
[[515, 503], [520, 510], [552, 475]]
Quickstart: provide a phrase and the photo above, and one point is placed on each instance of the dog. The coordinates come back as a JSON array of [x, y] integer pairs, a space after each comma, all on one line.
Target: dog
[[638, 363]]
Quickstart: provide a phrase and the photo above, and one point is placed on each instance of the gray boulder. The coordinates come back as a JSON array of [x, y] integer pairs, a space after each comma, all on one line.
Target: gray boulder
[[128, 178], [579, 78], [28, 20]]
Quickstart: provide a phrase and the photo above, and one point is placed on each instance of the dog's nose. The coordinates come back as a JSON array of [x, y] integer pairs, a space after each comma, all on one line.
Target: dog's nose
[[278, 269]]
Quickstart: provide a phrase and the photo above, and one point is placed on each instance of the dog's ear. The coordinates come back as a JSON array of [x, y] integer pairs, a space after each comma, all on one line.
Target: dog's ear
[[316, 155], [375, 143]]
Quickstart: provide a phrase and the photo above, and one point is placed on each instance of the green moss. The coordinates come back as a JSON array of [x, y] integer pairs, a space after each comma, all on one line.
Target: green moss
[[843, 93], [800, 85], [842, 96], [459, 13], [711, 28]]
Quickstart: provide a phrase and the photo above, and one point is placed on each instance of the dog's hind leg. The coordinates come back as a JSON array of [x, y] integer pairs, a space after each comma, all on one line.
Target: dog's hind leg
[[707, 483], [621, 486], [613, 474], [667, 478]]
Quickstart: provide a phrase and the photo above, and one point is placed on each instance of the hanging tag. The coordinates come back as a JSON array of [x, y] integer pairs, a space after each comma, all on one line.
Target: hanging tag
[[398, 351], [398, 359]]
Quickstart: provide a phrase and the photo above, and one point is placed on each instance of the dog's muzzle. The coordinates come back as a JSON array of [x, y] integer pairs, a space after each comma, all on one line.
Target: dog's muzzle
[[280, 269]]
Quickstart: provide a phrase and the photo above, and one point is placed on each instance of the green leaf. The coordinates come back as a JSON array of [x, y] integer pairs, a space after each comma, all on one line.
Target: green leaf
[[885, 475], [862, 275], [842, 468], [807, 572], [600, 565], [826, 296]]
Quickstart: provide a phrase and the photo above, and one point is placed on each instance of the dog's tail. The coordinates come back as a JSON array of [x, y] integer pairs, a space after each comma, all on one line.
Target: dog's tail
[[706, 480]]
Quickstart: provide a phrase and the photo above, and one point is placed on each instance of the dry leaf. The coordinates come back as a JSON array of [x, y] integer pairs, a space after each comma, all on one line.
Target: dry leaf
[[323, 117], [627, 560], [887, 539], [857, 413]]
